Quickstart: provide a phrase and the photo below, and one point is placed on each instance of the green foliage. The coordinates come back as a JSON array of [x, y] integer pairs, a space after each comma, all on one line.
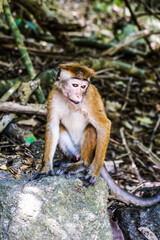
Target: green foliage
[[20, 22], [144, 120], [30, 24], [29, 140], [1, 6], [100, 5], [126, 31], [120, 83], [118, 2]]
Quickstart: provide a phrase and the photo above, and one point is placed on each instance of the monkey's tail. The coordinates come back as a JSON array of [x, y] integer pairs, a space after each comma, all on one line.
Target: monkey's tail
[[126, 196]]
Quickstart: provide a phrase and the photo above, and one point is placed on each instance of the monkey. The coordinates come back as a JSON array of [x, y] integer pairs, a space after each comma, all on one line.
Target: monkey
[[77, 123]]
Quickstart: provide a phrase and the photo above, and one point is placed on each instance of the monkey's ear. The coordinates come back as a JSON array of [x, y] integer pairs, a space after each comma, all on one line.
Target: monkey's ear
[[92, 73], [58, 74]]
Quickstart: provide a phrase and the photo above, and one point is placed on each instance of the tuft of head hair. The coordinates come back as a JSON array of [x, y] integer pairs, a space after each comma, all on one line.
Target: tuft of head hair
[[77, 70]]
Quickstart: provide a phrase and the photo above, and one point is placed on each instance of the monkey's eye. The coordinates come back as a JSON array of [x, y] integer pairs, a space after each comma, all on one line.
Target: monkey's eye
[[83, 86], [75, 85]]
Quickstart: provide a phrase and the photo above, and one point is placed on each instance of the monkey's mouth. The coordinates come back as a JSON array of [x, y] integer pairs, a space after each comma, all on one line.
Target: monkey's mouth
[[75, 102]]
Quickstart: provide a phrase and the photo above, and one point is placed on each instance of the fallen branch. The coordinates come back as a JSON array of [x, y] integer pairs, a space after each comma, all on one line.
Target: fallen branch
[[129, 39], [9, 93], [134, 167], [6, 119], [26, 89], [38, 109], [84, 42], [150, 155], [101, 63], [46, 78], [133, 16], [7, 42]]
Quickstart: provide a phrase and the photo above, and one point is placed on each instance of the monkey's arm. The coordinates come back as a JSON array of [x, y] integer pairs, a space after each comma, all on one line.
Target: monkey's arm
[[51, 139], [102, 124], [103, 135], [124, 195]]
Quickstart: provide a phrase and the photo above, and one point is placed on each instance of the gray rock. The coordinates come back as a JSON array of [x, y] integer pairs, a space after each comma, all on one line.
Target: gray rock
[[136, 222], [52, 208]]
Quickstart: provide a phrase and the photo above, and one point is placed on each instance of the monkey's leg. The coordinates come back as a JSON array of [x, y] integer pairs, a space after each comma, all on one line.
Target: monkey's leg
[[51, 140], [70, 151], [67, 147], [66, 144], [88, 150]]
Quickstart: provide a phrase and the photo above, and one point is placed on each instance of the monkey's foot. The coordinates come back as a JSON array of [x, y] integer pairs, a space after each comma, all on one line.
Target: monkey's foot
[[88, 180], [71, 169], [39, 176]]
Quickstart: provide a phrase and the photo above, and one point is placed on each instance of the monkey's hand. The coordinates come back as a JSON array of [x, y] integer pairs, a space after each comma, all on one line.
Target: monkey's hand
[[71, 169], [39, 175]]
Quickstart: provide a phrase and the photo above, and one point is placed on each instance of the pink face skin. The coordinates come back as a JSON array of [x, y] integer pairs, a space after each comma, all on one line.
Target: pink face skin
[[74, 89]]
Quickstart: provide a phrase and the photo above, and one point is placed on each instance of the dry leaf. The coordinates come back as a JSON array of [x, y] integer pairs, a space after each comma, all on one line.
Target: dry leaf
[[147, 233], [38, 167], [24, 167], [17, 176], [3, 167]]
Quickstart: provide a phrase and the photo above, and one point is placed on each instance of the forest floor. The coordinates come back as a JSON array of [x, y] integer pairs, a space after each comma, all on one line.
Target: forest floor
[[132, 102]]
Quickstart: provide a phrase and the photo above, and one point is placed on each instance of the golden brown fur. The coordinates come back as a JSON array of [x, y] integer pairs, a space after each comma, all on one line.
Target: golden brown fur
[[78, 71], [94, 130], [77, 123]]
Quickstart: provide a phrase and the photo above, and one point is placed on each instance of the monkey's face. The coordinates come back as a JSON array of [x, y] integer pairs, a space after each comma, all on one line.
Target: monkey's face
[[74, 90]]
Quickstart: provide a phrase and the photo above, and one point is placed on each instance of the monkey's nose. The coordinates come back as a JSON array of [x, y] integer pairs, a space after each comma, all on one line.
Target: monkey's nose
[[76, 102]]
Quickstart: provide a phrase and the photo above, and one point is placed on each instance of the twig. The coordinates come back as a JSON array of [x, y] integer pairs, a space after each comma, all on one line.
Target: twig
[[4, 64], [150, 11], [151, 156], [130, 155], [141, 14], [135, 21], [121, 95], [154, 131], [127, 94]]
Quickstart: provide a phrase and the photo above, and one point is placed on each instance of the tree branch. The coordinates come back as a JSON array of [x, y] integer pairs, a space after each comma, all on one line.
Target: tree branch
[[38, 109]]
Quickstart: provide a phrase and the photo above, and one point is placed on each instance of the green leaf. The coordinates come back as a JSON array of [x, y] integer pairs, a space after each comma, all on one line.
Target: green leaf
[[118, 2], [144, 120], [30, 24], [120, 83], [100, 6], [18, 21], [29, 140]]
